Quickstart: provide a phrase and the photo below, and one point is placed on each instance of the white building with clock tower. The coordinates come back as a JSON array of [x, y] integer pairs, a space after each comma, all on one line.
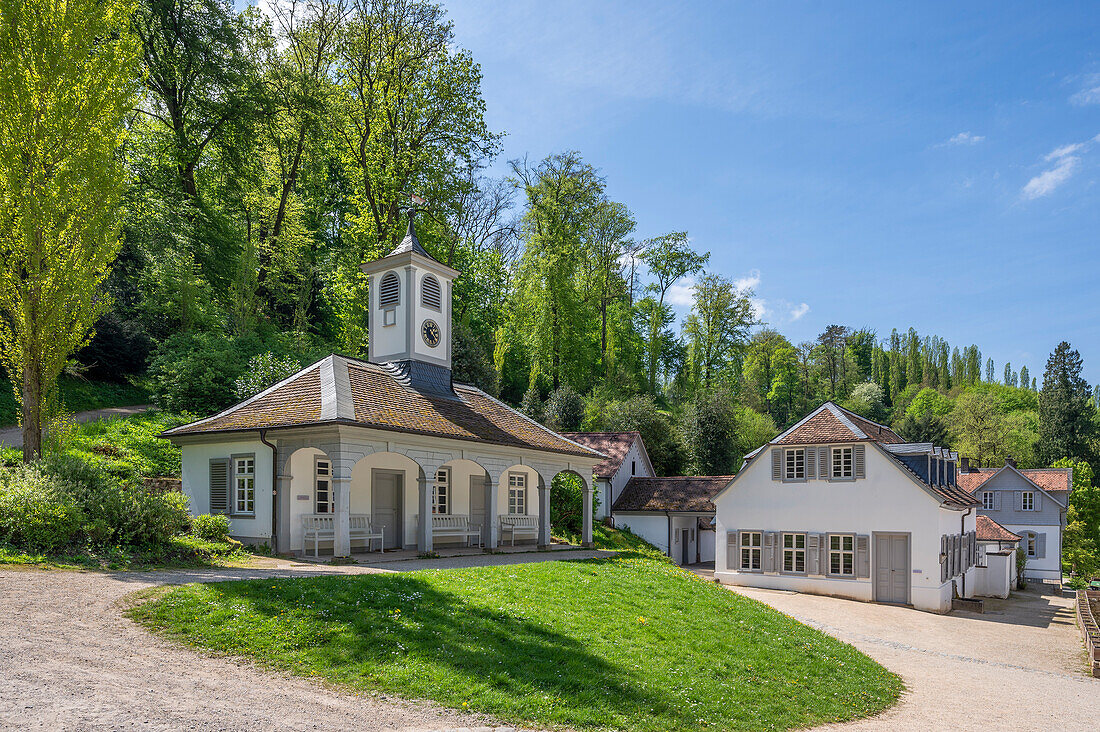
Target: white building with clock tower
[[383, 453]]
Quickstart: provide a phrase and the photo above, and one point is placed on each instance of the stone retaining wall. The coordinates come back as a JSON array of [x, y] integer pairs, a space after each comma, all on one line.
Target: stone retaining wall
[[1088, 625]]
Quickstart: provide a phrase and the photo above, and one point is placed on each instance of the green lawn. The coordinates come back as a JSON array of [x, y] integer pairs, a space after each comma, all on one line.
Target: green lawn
[[624, 643], [179, 553]]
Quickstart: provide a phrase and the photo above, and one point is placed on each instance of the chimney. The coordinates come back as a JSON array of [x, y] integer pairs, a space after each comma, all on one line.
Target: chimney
[[1010, 462], [964, 465]]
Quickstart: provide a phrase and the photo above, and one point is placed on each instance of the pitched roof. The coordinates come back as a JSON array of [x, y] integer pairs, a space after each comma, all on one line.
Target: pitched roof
[[950, 494], [615, 445], [1055, 481], [344, 390], [691, 493], [833, 423], [989, 530]]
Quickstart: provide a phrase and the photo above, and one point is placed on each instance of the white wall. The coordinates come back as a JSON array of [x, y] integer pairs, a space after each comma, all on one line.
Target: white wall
[[887, 500], [633, 457], [196, 485], [1048, 566], [995, 578], [652, 528], [706, 545], [679, 523], [389, 339]]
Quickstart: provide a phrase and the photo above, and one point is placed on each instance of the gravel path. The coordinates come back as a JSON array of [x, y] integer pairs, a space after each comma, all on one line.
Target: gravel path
[[13, 436], [70, 660], [1019, 666]]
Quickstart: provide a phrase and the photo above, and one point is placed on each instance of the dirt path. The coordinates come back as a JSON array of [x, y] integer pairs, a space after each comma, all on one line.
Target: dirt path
[[13, 436], [70, 660], [1019, 666]]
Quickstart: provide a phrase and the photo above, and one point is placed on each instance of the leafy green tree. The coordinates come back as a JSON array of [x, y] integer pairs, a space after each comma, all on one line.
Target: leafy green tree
[[1025, 378], [833, 358], [929, 400], [67, 81], [612, 223], [662, 440], [978, 425], [669, 259], [263, 371], [867, 400], [753, 430], [1067, 422], [1081, 538], [989, 372], [709, 427], [564, 409], [924, 427], [717, 329]]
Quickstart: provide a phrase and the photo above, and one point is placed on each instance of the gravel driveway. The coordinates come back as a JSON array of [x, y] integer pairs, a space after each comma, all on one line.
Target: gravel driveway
[[1019, 666], [70, 660]]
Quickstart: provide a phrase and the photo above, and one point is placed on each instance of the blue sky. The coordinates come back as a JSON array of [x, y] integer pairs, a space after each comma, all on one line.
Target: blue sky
[[867, 164]]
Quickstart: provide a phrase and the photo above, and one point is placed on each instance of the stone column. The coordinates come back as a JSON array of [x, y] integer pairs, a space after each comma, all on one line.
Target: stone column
[[341, 496], [586, 508], [544, 513], [492, 528], [424, 530], [284, 503]]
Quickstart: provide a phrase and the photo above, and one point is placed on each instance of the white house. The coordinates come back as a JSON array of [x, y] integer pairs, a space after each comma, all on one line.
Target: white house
[[997, 558], [1031, 504], [839, 505], [347, 449], [675, 515], [626, 458]]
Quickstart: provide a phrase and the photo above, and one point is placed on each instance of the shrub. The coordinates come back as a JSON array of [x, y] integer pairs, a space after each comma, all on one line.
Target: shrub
[[263, 371], [37, 512], [564, 409], [567, 503], [210, 528], [195, 372]]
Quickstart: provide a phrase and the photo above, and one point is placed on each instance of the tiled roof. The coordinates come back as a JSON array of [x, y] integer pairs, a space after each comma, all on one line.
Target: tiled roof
[[990, 530], [345, 390], [832, 423], [613, 444], [693, 493], [1055, 481]]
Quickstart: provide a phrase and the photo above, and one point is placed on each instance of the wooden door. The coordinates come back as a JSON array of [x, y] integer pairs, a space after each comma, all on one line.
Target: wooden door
[[386, 505], [477, 507], [892, 568]]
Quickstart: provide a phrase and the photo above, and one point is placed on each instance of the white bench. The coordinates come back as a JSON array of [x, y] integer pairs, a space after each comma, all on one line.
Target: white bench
[[444, 525], [521, 526], [322, 527]]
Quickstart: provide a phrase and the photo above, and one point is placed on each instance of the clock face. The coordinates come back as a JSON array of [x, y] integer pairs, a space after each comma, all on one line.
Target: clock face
[[430, 333]]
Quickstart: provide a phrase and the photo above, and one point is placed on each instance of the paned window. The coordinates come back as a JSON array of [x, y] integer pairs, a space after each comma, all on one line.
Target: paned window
[[322, 487], [441, 492], [517, 493], [795, 464], [794, 552], [244, 485], [1031, 545], [750, 549], [842, 462], [842, 556], [1027, 501], [987, 500]]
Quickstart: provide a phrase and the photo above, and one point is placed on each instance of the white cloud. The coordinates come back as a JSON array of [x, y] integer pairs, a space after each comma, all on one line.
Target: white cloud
[[965, 138], [1089, 92], [759, 307], [682, 293], [1045, 183], [749, 282], [799, 311], [1061, 152]]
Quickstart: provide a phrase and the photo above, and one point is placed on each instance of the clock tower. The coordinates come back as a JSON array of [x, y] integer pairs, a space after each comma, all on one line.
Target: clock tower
[[410, 315]]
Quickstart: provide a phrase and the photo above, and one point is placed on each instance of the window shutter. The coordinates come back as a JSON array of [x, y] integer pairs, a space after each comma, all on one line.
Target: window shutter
[[859, 459], [733, 550], [1037, 501], [813, 554], [777, 463], [390, 290], [1040, 545], [767, 558], [810, 463], [823, 545], [219, 485], [825, 458], [863, 556], [996, 500], [1019, 500], [943, 558]]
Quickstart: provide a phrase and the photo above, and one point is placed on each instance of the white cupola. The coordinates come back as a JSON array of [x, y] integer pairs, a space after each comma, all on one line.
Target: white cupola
[[410, 315]]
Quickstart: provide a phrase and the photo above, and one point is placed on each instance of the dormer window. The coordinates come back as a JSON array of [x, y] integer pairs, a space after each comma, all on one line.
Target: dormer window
[[431, 296]]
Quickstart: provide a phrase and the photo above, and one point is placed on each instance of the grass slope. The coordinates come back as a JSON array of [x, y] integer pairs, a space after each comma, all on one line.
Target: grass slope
[[78, 395], [625, 643]]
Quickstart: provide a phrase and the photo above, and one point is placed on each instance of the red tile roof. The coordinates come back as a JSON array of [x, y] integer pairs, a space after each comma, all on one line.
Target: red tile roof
[[990, 530], [380, 401], [1053, 480], [690, 493], [615, 445], [832, 423]]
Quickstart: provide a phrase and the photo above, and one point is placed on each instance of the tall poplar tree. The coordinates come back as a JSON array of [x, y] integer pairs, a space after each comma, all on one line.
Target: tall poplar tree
[[67, 80]]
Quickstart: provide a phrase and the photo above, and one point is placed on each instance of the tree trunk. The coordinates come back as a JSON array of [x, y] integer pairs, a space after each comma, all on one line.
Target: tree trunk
[[32, 411]]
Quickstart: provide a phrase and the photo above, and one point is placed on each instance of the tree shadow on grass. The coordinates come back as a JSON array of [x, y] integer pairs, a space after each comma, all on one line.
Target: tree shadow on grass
[[408, 636]]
